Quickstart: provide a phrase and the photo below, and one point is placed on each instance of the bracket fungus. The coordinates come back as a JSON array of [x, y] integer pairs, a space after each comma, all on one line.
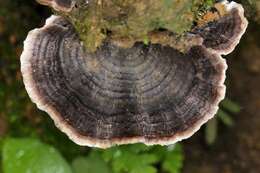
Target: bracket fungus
[[154, 94]]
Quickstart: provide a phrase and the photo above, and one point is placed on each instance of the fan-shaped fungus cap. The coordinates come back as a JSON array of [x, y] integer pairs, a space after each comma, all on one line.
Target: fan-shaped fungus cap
[[223, 35], [59, 5], [151, 94]]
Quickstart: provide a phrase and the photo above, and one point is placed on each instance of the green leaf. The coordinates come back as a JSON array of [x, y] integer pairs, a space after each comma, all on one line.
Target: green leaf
[[139, 158], [211, 131], [130, 158], [130, 161], [32, 156], [144, 169], [231, 106], [173, 161], [225, 118], [92, 164], [136, 148]]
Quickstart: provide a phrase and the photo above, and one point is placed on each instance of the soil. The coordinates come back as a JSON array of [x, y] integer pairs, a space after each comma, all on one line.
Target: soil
[[237, 149]]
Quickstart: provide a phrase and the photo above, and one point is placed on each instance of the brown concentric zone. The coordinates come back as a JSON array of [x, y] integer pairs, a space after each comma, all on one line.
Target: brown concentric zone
[[210, 60]]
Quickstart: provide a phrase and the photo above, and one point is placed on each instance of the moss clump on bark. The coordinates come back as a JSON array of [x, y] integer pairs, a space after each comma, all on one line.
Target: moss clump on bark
[[132, 20]]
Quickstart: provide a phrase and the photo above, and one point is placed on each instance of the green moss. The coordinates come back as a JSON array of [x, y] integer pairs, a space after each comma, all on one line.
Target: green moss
[[133, 19]]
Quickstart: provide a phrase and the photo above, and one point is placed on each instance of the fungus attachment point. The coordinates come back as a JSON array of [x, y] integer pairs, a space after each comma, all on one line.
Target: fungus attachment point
[[59, 5], [152, 94]]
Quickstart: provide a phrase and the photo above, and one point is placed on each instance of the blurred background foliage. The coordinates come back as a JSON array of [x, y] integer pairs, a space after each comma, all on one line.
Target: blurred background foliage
[[30, 143]]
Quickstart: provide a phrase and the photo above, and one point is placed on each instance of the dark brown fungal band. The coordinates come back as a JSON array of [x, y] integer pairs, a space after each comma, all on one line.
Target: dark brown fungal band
[[152, 94]]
